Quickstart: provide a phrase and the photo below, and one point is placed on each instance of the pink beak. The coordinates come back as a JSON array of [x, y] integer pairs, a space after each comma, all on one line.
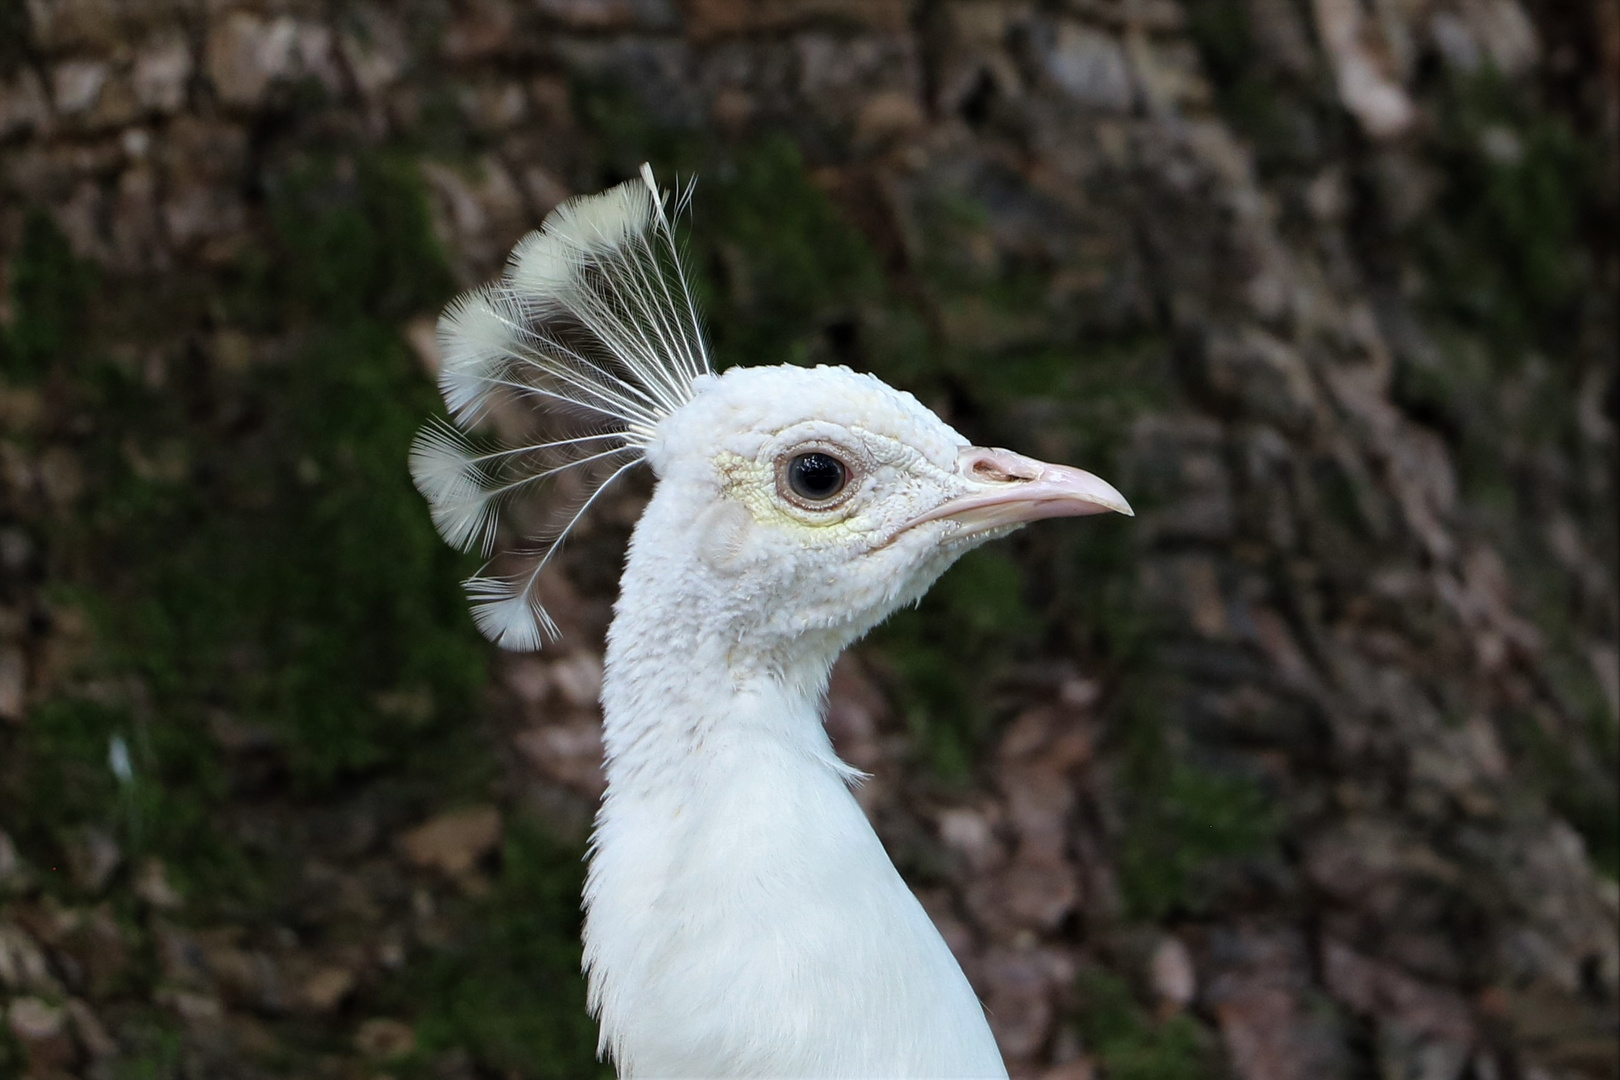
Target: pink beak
[[1017, 489]]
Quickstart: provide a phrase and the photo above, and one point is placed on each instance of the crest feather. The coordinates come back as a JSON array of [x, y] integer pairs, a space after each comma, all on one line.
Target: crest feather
[[593, 327]]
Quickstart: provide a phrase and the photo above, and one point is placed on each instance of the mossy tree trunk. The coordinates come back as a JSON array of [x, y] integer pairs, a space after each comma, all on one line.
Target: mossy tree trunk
[[1309, 769]]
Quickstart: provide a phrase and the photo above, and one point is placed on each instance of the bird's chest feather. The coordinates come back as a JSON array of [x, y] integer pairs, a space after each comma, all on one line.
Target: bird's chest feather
[[744, 920]]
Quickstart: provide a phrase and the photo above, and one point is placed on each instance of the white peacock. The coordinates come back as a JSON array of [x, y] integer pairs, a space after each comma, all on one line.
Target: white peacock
[[742, 918]]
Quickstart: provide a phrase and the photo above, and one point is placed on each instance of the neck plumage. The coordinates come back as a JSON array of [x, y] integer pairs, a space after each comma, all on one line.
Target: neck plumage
[[742, 918]]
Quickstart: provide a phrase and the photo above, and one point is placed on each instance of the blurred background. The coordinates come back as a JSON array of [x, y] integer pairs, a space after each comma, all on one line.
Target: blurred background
[[1307, 772]]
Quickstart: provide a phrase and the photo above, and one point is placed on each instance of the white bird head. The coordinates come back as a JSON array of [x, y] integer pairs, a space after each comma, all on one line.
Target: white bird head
[[818, 500], [793, 505]]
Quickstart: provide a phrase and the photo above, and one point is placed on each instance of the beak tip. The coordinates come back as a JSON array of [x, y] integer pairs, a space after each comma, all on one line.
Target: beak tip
[[1043, 490]]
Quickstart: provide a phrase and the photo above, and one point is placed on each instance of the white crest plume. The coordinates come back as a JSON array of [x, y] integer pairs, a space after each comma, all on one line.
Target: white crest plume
[[594, 322]]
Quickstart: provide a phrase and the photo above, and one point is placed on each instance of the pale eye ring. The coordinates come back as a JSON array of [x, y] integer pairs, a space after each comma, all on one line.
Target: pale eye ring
[[814, 479]]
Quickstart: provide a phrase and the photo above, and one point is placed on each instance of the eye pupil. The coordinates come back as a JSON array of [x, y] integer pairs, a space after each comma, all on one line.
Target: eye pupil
[[816, 476]]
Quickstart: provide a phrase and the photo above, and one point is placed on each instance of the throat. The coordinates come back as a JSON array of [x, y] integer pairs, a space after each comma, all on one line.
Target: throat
[[742, 918], [726, 815], [719, 773], [679, 729]]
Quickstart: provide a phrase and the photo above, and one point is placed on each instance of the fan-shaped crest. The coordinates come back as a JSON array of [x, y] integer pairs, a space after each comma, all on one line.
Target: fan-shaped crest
[[593, 321]]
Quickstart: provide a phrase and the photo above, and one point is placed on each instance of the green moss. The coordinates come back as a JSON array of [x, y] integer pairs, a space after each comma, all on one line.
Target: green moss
[[13, 1059], [50, 295], [775, 264], [1127, 1043], [165, 807], [986, 613], [1590, 808], [1293, 120], [952, 227], [783, 262], [154, 1050], [946, 658], [296, 571], [1185, 822], [249, 546], [1182, 821], [16, 31], [510, 992], [1512, 304], [1506, 251], [1579, 785], [1225, 42], [626, 134], [356, 242], [252, 558]]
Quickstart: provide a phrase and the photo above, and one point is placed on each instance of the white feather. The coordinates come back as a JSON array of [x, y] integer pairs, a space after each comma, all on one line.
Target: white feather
[[449, 473], [443, 464], [507, 613], [479, 334], [541, 265], [600, 223], [593, 320], [506, 609]]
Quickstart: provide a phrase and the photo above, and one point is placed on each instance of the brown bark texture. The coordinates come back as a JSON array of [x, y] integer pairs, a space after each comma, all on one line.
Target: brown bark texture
[[1307, 771]]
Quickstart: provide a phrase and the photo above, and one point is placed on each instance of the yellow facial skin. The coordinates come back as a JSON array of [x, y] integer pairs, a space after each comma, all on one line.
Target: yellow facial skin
[[889, 483], [753, 484]]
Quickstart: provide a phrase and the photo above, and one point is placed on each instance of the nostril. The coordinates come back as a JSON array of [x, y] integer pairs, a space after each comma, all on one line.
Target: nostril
[[999, 466]]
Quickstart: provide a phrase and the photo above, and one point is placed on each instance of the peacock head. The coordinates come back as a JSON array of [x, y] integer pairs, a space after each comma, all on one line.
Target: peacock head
[[838, 495], [827, 494]]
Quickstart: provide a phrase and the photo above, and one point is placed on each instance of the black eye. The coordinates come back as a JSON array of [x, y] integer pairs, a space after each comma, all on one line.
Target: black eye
[[816, 477]]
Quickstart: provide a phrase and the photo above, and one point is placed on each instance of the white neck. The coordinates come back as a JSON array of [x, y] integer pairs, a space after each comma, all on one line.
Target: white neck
[[742, 918]]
